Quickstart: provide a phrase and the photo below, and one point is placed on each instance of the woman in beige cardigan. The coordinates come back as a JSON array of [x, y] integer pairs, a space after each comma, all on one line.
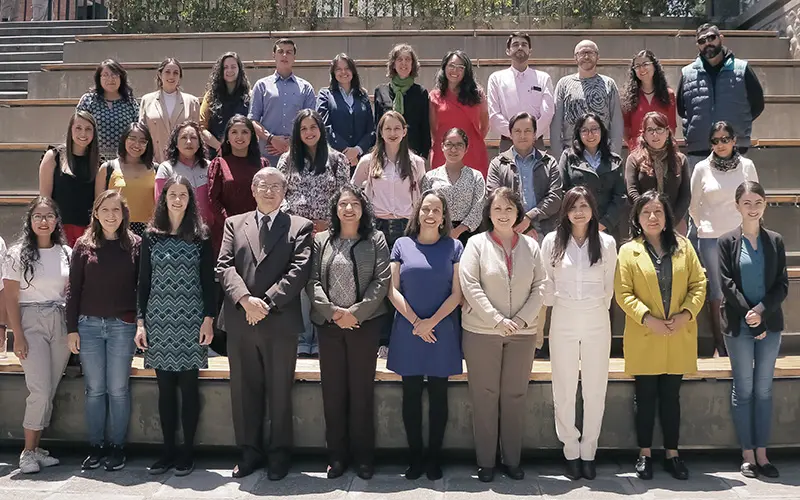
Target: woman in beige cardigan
[[502, 275], [167, 107]]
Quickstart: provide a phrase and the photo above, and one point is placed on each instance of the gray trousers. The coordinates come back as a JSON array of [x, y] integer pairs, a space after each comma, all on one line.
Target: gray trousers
[[8, 9], [45, 331], [39, 10], [499, 370]]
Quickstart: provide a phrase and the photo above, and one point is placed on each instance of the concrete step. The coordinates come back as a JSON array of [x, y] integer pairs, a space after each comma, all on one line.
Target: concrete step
[[14, 75], [24, 65], [17, 39], [31, 56], [24, 29], [14, 85], [13, 94], [375, 44], [779, 77], [31, 47]]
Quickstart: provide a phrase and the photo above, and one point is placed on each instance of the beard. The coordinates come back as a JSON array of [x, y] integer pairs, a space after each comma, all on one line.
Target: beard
[[712, 51], [520, 56]]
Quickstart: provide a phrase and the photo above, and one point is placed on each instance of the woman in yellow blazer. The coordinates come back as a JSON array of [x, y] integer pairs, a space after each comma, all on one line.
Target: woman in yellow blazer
[[167, 107], [661, 286]]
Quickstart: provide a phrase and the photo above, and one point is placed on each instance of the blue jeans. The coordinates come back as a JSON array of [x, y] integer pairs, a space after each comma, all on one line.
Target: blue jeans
[[307, 340], [106, 353], [708, 251], [753, 366], [691, 228]]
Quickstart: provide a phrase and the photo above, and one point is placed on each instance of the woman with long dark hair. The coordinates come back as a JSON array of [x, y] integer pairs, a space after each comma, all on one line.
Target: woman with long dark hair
[[101, 321], [426, 339], [112, 104], [230, 175], [176, 309], [661, 287], [349, 281], [458, 101], [167, 107], [186, 156], [346, 111], [67, 174], [645, 91], [591, 163], [580, 260], [227, 94], [133, 174], [35, 283], [405, 96], [713, 209], [657, 164], [754, 285]]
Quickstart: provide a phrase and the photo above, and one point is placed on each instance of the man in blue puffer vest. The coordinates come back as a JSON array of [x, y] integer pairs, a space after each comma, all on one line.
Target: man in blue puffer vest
[[717, 86]]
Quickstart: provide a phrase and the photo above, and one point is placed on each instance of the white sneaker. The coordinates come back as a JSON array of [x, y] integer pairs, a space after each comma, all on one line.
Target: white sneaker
[[44, 459], [28, 463], [383, 352]]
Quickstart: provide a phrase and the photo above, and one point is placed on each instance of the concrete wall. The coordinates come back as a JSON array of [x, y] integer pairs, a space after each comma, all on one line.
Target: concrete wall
[[778, 15], [705, 419]]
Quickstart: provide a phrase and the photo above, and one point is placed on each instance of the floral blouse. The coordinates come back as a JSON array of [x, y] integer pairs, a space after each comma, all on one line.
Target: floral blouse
[[309, 195], [111, 121], [464, 197]]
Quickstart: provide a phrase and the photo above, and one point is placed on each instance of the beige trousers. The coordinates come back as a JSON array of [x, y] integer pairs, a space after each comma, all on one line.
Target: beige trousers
[[498, 371]]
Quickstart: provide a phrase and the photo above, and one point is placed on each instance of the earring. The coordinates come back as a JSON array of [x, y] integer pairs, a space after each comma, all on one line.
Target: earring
[[441, 226]]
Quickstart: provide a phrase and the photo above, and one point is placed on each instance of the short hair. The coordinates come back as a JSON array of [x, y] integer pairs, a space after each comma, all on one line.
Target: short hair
[[523, 115], [395, 53], [413, 227], [461, 133], [518, 34], [125, 90], [706, 27], [173, 152], [259, 176], [365, 224], [510, 196], [669, 241], [284, 41], [721, 126]]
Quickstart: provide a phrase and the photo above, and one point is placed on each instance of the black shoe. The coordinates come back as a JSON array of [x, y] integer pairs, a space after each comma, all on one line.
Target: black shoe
[[244, 469], [415, 470], [278, 470], [749, 470], [434, 470], [644, 468], [185, 465], [588, 469], [115, 459], [573, 469], [769, 470], [365, 471], [95, 458], [514, 472], [486, 474], [161, 466], [677, 468], [336, 469]]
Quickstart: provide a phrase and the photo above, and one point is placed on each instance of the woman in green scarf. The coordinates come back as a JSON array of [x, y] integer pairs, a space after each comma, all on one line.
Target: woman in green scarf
[[404, 95]]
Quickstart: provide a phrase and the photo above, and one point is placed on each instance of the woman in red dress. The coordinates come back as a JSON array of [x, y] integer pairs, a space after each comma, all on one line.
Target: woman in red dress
[[458, 102]]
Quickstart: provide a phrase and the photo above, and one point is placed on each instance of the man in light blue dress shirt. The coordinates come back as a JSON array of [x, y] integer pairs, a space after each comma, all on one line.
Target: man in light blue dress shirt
[[276, 101]]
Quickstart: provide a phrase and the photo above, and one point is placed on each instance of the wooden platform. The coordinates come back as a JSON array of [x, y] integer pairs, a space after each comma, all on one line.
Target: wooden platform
[[308, 369]]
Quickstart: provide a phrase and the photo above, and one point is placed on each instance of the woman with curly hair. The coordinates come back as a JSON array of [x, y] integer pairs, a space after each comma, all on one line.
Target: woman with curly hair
[[35, 282], [227, 95], [657, 164], [458, 101], [646, 91]]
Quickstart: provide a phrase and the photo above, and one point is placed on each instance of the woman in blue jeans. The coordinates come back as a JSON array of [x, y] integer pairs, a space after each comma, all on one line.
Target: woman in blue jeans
[[101, 321], [754, 285]]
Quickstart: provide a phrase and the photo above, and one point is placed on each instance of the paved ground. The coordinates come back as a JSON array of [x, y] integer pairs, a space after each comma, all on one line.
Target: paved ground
[[712, 478]]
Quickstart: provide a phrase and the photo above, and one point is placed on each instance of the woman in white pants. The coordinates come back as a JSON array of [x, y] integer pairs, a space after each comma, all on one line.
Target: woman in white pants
[[580, 261]]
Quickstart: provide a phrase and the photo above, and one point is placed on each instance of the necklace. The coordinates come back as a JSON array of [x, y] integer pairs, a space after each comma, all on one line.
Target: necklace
[[649, 93]]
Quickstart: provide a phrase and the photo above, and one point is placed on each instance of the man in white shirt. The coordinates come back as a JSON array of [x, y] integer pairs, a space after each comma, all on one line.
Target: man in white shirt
[[3, 313], [518, 89]]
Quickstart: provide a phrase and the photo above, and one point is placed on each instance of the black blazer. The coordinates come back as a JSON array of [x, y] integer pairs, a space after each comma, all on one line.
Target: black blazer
[[607, 184], [416, 106], [776, 281], [346, 129]]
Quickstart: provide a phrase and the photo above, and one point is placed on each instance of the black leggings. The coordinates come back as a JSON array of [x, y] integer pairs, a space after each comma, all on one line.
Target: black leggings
[[168, 383], [664, 391], [437, 414]]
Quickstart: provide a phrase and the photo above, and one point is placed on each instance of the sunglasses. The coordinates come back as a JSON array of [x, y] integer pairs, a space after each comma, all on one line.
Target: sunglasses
[[706, 39], [723, 140]]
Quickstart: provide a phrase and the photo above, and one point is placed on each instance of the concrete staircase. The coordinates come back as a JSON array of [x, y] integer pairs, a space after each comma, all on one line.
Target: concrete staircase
[[25, 46]]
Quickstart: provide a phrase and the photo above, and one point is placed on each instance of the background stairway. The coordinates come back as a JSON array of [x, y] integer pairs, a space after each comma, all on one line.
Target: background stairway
[[25, 46]]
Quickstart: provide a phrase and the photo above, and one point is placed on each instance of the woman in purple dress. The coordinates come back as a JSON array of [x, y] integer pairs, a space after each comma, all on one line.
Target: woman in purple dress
[[426, 335]]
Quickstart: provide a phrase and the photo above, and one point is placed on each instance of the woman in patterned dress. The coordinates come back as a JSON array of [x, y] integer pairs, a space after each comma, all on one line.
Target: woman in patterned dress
[[176, 312], [112, 104]]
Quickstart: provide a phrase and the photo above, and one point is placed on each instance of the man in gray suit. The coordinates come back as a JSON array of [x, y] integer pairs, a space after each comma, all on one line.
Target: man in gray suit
[[264, 263]]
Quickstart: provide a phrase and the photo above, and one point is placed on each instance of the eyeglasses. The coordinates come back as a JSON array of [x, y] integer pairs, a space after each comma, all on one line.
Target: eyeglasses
[[275, 188], [723, 140], [586, 53], [655, 130], [706, 39], [457, 146], [644, 65], [140, 141], [456, 67], [590, 131], [109, 76], [39, 218]]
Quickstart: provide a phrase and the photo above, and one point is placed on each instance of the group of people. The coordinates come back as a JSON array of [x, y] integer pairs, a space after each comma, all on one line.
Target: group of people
[[350, 240]]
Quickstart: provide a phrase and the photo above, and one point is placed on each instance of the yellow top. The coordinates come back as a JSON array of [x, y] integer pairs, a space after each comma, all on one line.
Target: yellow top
[[139, 191]]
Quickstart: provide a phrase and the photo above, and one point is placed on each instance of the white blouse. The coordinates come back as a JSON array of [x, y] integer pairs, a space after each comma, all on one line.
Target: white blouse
[[575, 283]]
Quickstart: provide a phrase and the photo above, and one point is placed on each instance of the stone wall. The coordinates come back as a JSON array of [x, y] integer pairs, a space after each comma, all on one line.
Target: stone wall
[[779, 15]]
